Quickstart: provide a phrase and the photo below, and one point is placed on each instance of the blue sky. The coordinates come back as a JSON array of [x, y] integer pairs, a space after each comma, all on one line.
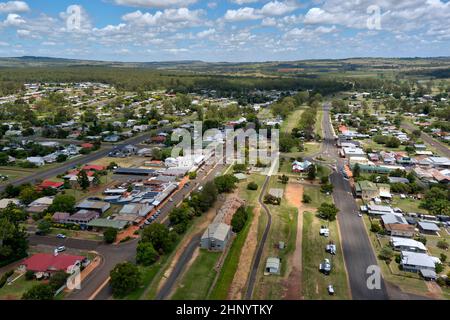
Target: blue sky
[[224, 30]]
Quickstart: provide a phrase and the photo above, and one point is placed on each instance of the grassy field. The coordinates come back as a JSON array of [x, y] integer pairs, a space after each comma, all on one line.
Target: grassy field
[[283, 228], [230, 264], [198, 279], [407, 205], [315, 283], [17, 288], [292, 120], [319, 120], [317, 197]]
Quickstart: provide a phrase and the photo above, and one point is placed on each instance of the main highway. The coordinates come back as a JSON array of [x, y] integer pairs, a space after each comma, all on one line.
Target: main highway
[[358, 252]]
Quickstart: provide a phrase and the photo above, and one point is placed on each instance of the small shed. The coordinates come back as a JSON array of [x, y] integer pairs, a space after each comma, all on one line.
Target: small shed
[[273, 265]]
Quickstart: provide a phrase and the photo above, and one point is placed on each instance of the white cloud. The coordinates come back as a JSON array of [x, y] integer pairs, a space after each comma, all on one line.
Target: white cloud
[[155, 3], [277, 8], [13, 20], [13, 6], [242, 14], [206, 33], [241, 2], [269, 22], [181, 16]]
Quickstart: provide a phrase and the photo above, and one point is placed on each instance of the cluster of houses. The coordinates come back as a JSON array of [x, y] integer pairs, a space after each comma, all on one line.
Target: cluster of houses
[[428, 168]]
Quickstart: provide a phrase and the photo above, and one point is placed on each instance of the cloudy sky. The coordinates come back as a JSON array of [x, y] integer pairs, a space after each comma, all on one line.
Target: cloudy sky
[[224, 30]]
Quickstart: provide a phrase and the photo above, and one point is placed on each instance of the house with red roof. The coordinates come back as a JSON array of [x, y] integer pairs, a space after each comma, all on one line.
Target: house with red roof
[[91, 167], [50, 184], [50, 263], [87, 146]]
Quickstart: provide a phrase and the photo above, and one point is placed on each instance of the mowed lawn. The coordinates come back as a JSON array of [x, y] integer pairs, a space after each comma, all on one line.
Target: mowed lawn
[[314, 282], [283, 228], [17, 288], [198, 279]]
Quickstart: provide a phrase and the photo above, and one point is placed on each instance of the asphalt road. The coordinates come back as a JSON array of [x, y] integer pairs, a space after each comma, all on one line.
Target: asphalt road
[[168, 286], [445, 150], [358, 253]]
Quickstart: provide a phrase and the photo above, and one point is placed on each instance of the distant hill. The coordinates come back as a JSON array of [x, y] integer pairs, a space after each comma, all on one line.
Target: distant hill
[[302, 68]]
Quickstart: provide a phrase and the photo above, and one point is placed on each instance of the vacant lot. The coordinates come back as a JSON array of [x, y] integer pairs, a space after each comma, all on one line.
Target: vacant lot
[[198, 279], [315, 283]]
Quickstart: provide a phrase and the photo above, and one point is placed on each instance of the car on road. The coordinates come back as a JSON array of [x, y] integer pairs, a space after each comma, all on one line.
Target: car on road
[[61, 249], [61, 236], [330, 289]]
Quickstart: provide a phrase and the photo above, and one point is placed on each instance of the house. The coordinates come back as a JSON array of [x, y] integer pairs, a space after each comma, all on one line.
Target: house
[[60, 217], [101, 223], [415, 262], [136, 209], [410, 245], [91, 167], [82, 217], [87, 146], [38, 161], [273, 265], [216, 237], [427, 227], [134, 171], [111, 138], [298, 166], [98, 206], [366, 190], [276, 192], [393, 219], [49, 263], [6, 202], [50, 184], [398, 180], [400, 230], [40, 205]]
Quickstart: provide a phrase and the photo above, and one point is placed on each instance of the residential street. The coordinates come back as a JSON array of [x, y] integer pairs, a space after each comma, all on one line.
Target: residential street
[[438, 145], [358, 253]]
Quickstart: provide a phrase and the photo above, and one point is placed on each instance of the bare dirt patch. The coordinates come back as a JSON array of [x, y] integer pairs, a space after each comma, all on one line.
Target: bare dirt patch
[[237, 287], [293, 284]]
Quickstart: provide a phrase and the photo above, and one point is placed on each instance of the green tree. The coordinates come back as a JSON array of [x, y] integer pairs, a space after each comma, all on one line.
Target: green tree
[[110, 235], [312, 171], [44, 226], [41, 291], [125, 278], [356, 170], [225, 183], [328, 211], [239, 219], [63, 203], [146, 254], [252, 186], [386, 254], [306, 198], [83, 180], [159, 236]]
